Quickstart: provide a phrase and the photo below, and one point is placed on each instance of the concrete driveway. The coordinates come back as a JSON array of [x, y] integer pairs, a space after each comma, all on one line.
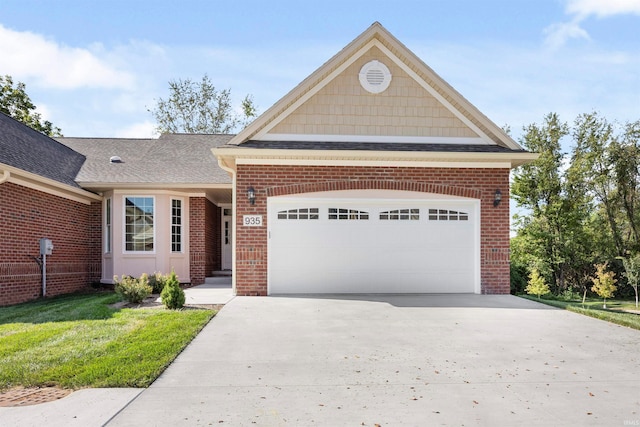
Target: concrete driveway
[[397, 360]]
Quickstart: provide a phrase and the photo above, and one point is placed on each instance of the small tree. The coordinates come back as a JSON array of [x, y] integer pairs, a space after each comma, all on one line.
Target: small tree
[[604, 283], [172, 295], [632, 272], [537, 285]]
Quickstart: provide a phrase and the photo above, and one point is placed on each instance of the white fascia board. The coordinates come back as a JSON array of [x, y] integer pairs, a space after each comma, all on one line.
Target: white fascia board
[[47, 185], [371, 158], [378, 163], [148, 191], [375, 139]]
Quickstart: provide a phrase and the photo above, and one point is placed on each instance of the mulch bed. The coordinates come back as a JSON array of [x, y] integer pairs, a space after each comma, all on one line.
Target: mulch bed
[[21, 396]]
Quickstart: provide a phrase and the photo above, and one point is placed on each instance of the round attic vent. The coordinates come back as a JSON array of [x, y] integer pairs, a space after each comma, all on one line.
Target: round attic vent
[[115, 159], [375, 77]]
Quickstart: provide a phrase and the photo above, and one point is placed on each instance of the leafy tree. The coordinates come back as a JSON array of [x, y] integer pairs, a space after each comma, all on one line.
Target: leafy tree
[[556, 211], [537, 285], [604, 283], [632, 272], [198, 107], [593, 167], [15, 102]]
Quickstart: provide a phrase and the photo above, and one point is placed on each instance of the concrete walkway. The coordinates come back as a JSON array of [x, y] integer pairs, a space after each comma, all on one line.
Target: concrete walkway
[[397, 360]]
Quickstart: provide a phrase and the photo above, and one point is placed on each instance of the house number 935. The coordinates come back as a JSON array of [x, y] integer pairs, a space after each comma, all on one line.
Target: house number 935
[[252, 220]]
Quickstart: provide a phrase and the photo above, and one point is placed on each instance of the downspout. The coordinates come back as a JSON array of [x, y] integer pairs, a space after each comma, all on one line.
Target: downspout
[[5, 176], [232, 172]]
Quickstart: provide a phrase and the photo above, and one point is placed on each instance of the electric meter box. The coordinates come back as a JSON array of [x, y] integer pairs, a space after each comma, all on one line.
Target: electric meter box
[[46, 246]]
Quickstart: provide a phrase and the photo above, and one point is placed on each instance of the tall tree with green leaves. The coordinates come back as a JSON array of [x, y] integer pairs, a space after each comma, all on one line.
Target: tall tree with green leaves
[[198, 107], [624, 154], [593, 166], [538, 187], [15, 102]]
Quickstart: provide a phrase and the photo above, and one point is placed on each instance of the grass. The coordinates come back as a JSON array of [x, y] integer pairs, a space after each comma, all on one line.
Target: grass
[[79, 341], [593, 308]]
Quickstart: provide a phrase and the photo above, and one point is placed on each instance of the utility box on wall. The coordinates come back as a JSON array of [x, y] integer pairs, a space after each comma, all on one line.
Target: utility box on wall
[[46, 246]]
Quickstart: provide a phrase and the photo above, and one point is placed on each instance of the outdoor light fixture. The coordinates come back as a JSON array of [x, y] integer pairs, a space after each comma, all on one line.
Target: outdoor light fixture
[[251, 194], [497, 197]]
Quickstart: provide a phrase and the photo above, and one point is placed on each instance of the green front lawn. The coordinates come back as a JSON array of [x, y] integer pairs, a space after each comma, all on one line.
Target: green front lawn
[[79, 341], [593, 307]]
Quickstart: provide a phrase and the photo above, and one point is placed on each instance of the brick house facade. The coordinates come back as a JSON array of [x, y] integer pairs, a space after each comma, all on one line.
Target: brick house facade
[[373, 175]]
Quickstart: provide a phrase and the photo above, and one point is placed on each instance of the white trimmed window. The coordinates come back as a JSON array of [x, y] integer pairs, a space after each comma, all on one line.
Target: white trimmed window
[[139, 232], [176, 225], [339, 213], [302, 213], [447, 215], [401, 215], [107, 226]]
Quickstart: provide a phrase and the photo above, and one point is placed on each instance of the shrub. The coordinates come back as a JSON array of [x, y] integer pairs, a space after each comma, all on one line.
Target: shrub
[[536, 285], [157, 282], [132, 289], [172, 295]]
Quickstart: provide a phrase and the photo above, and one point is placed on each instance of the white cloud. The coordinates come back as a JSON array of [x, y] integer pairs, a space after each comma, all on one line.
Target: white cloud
[[26, 55], [558, 34], [603, 8]]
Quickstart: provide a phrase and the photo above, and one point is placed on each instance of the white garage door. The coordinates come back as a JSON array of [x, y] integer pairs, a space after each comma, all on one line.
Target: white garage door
[[369, 241]]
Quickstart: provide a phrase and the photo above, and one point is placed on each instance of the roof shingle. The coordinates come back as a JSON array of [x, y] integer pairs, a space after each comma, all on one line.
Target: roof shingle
[[34, 152], [170, 159]]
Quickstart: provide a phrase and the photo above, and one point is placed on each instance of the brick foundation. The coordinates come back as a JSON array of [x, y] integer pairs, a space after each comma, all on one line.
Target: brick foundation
[[251, 243]]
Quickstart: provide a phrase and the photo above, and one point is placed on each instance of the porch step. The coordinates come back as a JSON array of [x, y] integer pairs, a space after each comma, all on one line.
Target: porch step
[[221, 273], [217, 282]]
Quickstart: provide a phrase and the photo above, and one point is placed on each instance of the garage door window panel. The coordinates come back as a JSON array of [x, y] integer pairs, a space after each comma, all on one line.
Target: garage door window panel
[[347, 214], [400, 215], [301, 213], [447, 215]]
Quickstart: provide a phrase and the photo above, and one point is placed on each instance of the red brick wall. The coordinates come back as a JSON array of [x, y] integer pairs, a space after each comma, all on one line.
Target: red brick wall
[[26, 215], [251, 243], [204, 239], [197, 237]]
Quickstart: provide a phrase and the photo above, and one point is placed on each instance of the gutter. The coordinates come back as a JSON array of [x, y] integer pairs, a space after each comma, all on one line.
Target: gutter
[[5, 176]]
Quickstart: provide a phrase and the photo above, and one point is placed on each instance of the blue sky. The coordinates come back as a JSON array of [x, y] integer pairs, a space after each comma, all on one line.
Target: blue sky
[[94, 67]]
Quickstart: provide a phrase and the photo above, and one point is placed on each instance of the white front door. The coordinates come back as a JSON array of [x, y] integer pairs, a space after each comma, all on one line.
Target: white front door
[[227, 233], [373, 242]]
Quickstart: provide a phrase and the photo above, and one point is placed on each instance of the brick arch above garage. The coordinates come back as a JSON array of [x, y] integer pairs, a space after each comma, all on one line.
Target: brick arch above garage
[[373, 184]]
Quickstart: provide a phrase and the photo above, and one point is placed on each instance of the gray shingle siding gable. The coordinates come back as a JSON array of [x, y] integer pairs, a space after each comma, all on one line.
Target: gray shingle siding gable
[[31, 151]]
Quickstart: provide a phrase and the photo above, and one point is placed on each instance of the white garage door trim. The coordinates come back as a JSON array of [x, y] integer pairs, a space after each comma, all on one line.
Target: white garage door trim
[[373, 204]]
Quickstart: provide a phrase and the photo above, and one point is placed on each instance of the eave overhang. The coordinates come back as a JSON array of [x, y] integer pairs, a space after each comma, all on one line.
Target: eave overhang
[[46, 185], [229, 157]]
